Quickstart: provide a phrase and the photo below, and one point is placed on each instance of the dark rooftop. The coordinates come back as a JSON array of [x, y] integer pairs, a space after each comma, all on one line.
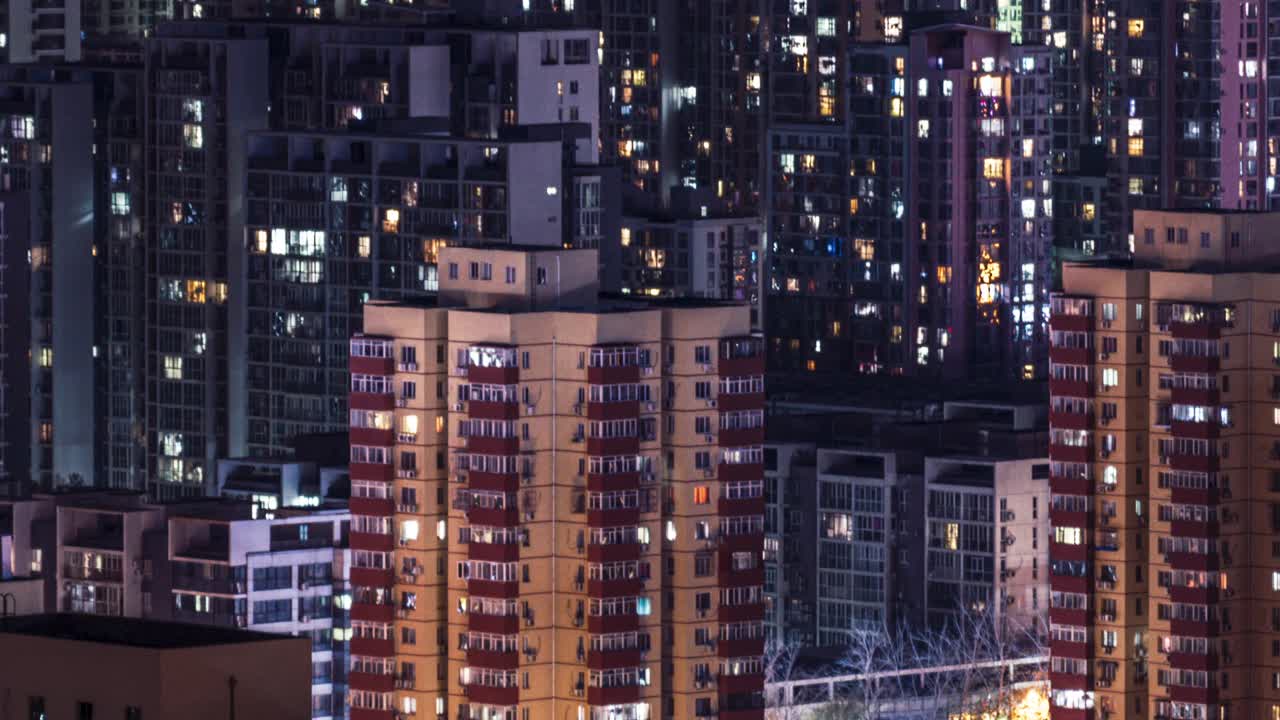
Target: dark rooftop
[[129, 632]]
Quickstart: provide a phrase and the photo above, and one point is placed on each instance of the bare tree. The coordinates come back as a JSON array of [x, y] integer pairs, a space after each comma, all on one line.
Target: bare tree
[[872, 652], [780, 656]]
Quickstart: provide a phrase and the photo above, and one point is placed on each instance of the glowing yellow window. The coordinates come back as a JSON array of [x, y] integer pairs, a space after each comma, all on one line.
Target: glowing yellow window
[[391, 220], [701, 495], [1135, 146], [362, 246], [195, 291], [1136, 28], [993, 168]]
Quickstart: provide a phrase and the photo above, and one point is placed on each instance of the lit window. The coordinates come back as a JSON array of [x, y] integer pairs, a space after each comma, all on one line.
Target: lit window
[[1136, 27], [1089, 212], [1135, 147], [46, 357], [702, 495], [172, 367], [993, 168], [391, 220], [362, 246], [193, 136], [1110, 377], [1068, 535], [120, 203]]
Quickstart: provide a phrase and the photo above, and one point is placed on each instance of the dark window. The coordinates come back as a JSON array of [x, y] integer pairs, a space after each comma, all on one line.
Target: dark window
[[35, 708], [272, 578]]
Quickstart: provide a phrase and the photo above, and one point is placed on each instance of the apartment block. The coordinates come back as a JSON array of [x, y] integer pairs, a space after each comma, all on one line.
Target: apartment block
[[206, 90], [286, 575], [707, 257], [45, 31], [895, 276], [207, 561], [51, 416], [556, 499], [334, 220], [1163, 455], [917, 521], [106, 544]]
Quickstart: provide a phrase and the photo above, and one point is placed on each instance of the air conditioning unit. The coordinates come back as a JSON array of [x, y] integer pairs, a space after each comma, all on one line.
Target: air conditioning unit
[[648, 370], [407, 367], [651, 406], [711, 402], [1104, 356], [708, 438], [577, 408], [708, 473], [458, 407], [706, 367], [528, 409], [402, 402]]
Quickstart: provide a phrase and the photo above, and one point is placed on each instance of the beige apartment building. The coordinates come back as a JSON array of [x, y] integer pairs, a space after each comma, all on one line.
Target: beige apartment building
[[1165, 473], [557, 500]]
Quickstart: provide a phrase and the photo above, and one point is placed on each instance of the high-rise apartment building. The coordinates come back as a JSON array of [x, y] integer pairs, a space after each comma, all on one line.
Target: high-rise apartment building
[[206, 89], [52, 400], [1163, 450], [557, 499], [40, 31], [1184, 128], [334, 220], [874, 269]]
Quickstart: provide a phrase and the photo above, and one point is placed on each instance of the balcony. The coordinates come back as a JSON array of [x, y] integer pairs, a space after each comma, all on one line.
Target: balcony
[[613, 695], [1071, 453], [740, 613], [1071, 355], [496, 624], [1194, 463], [613, 623], [371, 613], [1070, 388], [481, 410], [493, 589], [373, 647], [213, 586], [741, 356], [371, 682], [613, 446], [493, 659], [492, 695], [378, 542], [611, 410], [729, 684], [728, 402], [612, 659], [82, 572], [614, 552], [493, 445], [92, 539], [1193, 363], [493, 552]]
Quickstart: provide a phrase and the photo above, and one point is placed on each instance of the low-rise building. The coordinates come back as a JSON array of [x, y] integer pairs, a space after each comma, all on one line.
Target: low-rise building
[[83, 666]]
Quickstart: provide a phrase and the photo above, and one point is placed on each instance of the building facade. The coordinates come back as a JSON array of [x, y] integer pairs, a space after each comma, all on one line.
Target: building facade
[[1162, 450], [559, 499], [874, 268]]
